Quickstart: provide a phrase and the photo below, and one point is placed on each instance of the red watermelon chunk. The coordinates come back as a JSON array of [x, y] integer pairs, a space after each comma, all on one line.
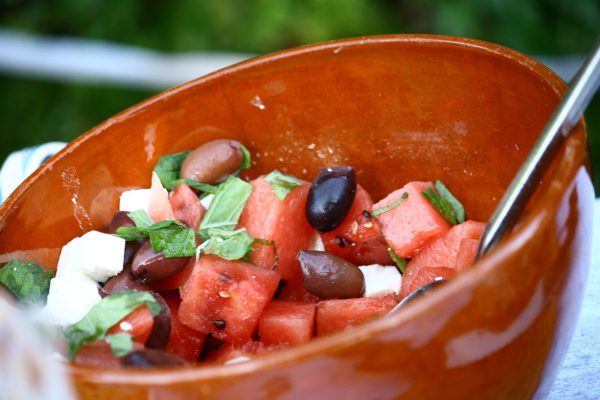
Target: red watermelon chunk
[[411, 223], [455, 250], [138, 324], [185, 342], [228, 352], [358, 238], [337, 315], [415, 278], [226, 298], [186, 206], [283, 221], [287, 322]]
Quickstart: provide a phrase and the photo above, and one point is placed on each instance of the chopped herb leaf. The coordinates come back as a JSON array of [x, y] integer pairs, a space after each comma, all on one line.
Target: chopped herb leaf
[[390, 206], [226, 207], [282, 184], [174, 242], [141, 218], [168, 168], [28, 281], [104, 315], [459, 209], [247, 160], [400, 262], [203, 187], [171, 237], [442, 205], [121, 344], [230, 245]]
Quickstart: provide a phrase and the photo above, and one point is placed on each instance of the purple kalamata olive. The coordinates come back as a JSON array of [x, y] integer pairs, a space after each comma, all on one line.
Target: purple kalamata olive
[[161, 329], [123, 281], [148, 266], [149, 358], [329, 276], [330, 198], [213, 161], [121, 219]]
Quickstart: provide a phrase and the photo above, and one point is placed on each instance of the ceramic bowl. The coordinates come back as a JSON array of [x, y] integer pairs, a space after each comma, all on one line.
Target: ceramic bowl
[[397, 108]]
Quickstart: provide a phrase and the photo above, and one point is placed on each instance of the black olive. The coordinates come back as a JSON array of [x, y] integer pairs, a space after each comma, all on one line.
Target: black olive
[[151, 358], [330, 198], [148, 266], [161, 329], [329, 276]]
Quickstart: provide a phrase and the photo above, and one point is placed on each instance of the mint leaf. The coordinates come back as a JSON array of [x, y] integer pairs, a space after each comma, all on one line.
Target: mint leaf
[[399, 261], [230, 245], [246, 161], [282, 184], [29, 282], [226, 207], [459, 209], [106, 314], [141, 218], [174, 241], [168, 168], [121, 344], [142, 231], [390, 206], [442, 205]]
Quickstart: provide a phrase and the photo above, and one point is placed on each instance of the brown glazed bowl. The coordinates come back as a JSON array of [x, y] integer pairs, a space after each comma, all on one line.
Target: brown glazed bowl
[[397, 108]]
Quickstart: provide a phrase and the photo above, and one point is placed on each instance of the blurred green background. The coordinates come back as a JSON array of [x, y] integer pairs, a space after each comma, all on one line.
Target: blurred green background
[[35, 110]]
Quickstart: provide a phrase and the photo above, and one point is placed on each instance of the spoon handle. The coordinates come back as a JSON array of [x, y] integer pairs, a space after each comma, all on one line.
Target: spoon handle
[[581, 90]]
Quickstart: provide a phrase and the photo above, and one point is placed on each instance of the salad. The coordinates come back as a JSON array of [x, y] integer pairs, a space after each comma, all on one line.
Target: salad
[[205, 267]]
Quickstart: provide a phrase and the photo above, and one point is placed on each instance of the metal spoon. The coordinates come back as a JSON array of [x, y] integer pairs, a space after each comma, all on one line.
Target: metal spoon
[[566, 116], [582, 88]]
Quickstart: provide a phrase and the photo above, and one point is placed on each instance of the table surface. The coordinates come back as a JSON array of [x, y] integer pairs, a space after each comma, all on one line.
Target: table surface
[[579, 377]]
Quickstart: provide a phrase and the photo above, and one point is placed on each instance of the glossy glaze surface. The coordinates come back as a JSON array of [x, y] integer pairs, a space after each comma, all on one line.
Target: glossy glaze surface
[[397, 108]]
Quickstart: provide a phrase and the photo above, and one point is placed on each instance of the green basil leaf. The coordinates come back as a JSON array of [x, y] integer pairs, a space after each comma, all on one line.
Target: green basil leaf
[[459, 209], [121, 344], [168, 168], [247, 160], [106, 314], [229, 245], [140, 232], [203, 187], [399, 261], [140, 218], [282, 184], [28, 281], [226, 207], [440, 204], [174, 242], [390, 206]]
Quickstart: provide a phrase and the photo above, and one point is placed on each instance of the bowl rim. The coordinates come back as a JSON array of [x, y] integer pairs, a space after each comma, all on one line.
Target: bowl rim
[[164, 376]]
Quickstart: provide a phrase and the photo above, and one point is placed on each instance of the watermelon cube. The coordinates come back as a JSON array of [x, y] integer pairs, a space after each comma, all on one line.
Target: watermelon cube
[[412, 222], [226, 298], [287, 322], [183, 341], [455, 250], [282, 221], [337, 315], [186, 206], [138, 324], [415, 278], [358, 238]]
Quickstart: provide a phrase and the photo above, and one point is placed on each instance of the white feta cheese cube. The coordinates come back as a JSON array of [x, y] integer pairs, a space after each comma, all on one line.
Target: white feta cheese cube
[[134, 200], [316, 243], [70, 298], [96, 255], [381, 280]]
